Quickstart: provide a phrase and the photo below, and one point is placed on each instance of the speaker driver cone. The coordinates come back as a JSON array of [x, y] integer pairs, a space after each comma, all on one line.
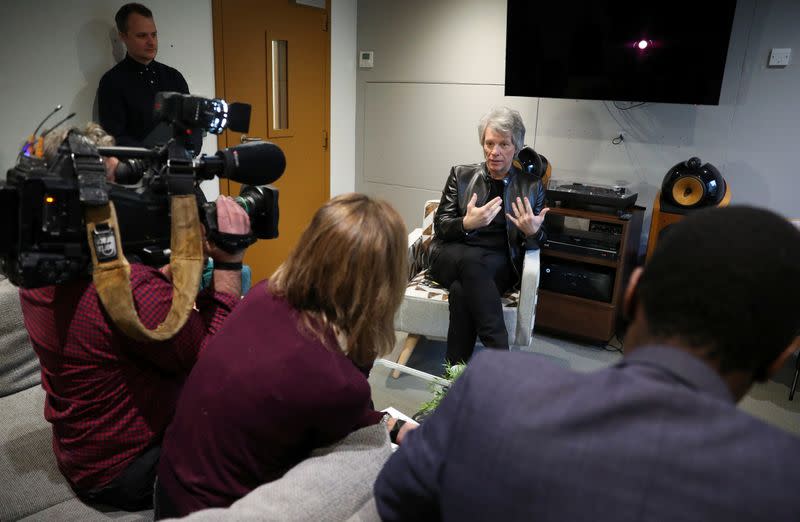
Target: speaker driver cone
[[688, 191]]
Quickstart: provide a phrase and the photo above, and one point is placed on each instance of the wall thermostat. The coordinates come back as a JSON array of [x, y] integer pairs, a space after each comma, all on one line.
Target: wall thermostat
[[366, 59]]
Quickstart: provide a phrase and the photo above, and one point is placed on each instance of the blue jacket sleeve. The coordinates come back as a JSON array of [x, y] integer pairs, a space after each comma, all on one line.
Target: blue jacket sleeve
[[408, 486]]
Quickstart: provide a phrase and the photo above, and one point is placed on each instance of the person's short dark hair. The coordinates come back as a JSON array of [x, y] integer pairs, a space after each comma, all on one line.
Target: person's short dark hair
[[121, 18], [727, 280]]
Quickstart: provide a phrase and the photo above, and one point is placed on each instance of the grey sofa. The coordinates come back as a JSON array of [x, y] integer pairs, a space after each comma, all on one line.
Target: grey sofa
[[32, 486], [334, 484]]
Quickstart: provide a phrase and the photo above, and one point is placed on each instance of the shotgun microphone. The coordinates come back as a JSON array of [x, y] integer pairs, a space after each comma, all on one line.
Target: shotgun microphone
[[58, 108], [51, 129]]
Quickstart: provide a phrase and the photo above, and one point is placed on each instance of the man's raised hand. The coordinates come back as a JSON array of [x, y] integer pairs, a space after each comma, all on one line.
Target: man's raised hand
[[524, 218], [479, 217]]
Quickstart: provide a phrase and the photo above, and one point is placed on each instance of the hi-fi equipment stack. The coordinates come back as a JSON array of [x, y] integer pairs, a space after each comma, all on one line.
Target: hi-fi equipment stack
[[593, 235]]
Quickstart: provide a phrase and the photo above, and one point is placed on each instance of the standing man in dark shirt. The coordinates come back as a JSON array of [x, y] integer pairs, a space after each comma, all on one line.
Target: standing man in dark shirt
[[127, 91]]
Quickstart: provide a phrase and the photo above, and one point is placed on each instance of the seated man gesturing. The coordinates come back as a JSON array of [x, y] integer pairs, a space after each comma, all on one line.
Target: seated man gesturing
[[489, 215]]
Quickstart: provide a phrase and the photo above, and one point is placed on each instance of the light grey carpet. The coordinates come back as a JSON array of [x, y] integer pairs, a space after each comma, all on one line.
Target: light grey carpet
[[768, 401]]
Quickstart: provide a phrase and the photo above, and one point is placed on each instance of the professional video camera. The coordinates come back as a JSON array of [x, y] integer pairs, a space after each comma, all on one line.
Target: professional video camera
[[43, 230]]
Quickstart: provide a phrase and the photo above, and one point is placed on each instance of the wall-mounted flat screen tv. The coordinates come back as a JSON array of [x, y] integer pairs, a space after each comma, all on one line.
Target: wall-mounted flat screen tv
[[670, 52]]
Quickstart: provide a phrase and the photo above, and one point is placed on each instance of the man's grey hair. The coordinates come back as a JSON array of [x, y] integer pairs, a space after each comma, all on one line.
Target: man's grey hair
[[505, 120], [93, 132]]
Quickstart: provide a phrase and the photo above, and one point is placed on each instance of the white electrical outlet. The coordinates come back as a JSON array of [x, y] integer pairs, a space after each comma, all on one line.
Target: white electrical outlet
[[779, 57]]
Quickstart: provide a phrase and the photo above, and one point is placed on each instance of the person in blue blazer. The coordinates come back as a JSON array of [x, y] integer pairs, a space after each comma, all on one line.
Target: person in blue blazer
[[657, 436]]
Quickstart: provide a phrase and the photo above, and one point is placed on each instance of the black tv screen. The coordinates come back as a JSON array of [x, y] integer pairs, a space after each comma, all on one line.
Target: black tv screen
[[671, 52]]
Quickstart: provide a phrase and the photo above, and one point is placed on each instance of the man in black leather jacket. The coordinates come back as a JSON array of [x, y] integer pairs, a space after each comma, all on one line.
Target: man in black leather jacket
[[489, 215]]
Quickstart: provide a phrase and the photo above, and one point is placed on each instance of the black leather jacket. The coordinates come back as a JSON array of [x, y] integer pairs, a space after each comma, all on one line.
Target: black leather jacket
[[464, 180]]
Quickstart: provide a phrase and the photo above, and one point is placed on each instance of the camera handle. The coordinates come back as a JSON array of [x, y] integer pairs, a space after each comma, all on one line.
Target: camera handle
[[112, 271]]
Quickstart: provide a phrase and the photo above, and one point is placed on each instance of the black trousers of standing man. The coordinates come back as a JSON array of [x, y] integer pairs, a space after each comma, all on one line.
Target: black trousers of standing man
[[476, 278]]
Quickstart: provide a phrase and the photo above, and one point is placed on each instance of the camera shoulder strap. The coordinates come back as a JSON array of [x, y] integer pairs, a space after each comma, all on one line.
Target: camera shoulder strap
[[112, 271]]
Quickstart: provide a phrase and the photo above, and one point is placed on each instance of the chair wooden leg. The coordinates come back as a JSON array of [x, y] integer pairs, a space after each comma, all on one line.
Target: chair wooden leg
[[408, 347]]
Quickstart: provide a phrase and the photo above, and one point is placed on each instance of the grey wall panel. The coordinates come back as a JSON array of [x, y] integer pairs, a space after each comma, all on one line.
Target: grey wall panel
[[414, 132], [452, 41], [437, 72], [55, 54], [409, 202]]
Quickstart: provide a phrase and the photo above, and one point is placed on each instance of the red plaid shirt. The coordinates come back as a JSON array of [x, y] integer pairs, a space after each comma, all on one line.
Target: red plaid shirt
[[108, 397]]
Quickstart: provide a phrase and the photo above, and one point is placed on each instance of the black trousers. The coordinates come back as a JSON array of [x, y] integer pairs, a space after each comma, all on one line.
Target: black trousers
[[162, 504], [476, 278], [132, 490]]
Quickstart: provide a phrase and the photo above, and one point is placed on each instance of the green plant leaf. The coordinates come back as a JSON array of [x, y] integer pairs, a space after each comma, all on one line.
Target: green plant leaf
[[451, 373]]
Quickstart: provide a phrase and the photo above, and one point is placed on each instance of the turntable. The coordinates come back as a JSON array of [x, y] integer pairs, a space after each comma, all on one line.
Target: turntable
[[570, 192]]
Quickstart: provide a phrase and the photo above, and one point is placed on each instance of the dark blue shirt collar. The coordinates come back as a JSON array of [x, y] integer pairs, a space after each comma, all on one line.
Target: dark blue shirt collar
[[683, 366]]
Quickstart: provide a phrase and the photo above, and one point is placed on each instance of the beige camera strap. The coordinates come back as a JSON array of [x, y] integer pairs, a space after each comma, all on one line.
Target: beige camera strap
[[112, 271]]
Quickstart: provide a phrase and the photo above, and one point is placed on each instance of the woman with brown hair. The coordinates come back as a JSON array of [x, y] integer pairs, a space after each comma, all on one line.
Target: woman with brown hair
[[287, 373]]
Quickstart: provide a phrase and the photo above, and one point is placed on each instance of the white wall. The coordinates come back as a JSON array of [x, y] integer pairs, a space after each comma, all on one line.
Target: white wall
[[55, 53], [343, 96], [440, 65], [52, 54]]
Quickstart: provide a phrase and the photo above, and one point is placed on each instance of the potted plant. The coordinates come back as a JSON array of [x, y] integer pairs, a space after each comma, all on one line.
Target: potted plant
[[451, 373]]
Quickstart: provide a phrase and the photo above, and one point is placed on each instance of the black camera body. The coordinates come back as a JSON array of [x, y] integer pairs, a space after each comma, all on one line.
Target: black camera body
[[43, 232], [43, 235]]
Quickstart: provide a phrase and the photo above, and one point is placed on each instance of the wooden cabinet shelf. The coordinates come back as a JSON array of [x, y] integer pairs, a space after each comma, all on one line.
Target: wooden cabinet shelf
[[579, 301], [582, 259], [565, 307]]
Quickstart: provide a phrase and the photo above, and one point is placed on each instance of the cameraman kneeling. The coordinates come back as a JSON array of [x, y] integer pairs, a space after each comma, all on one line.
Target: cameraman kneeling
[[110, 398]]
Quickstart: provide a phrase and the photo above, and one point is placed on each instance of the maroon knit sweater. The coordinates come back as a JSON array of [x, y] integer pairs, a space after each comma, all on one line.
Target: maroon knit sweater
[[260, 398]]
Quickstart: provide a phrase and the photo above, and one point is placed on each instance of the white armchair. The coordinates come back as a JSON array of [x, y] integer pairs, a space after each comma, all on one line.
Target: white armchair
[[425, 312]]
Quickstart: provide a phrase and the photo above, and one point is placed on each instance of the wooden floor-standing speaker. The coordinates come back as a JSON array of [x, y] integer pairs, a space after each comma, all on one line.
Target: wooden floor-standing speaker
[[688, 186]]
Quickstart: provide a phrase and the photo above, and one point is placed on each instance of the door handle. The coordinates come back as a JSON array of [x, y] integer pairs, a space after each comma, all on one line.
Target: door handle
[[245, 138]]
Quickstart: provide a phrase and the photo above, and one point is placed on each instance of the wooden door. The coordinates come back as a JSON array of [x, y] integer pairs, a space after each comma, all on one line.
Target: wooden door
[[250, 36]]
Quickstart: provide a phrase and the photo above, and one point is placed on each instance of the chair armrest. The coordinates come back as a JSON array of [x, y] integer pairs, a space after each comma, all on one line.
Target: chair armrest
[[414, 237], [414, 257], [528, 292]]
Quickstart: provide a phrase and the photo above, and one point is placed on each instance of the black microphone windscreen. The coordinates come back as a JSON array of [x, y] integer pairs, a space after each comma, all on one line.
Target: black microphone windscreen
[[239, 117], [254, 163]]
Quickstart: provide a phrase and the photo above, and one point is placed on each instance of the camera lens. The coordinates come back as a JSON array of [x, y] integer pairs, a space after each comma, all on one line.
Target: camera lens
[[251, 200], [130, 171], [261, 204]]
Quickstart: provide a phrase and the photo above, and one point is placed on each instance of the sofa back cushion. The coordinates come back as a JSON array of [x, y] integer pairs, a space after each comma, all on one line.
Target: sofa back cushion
[[334, 483], [19, 366], [31, 481]]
